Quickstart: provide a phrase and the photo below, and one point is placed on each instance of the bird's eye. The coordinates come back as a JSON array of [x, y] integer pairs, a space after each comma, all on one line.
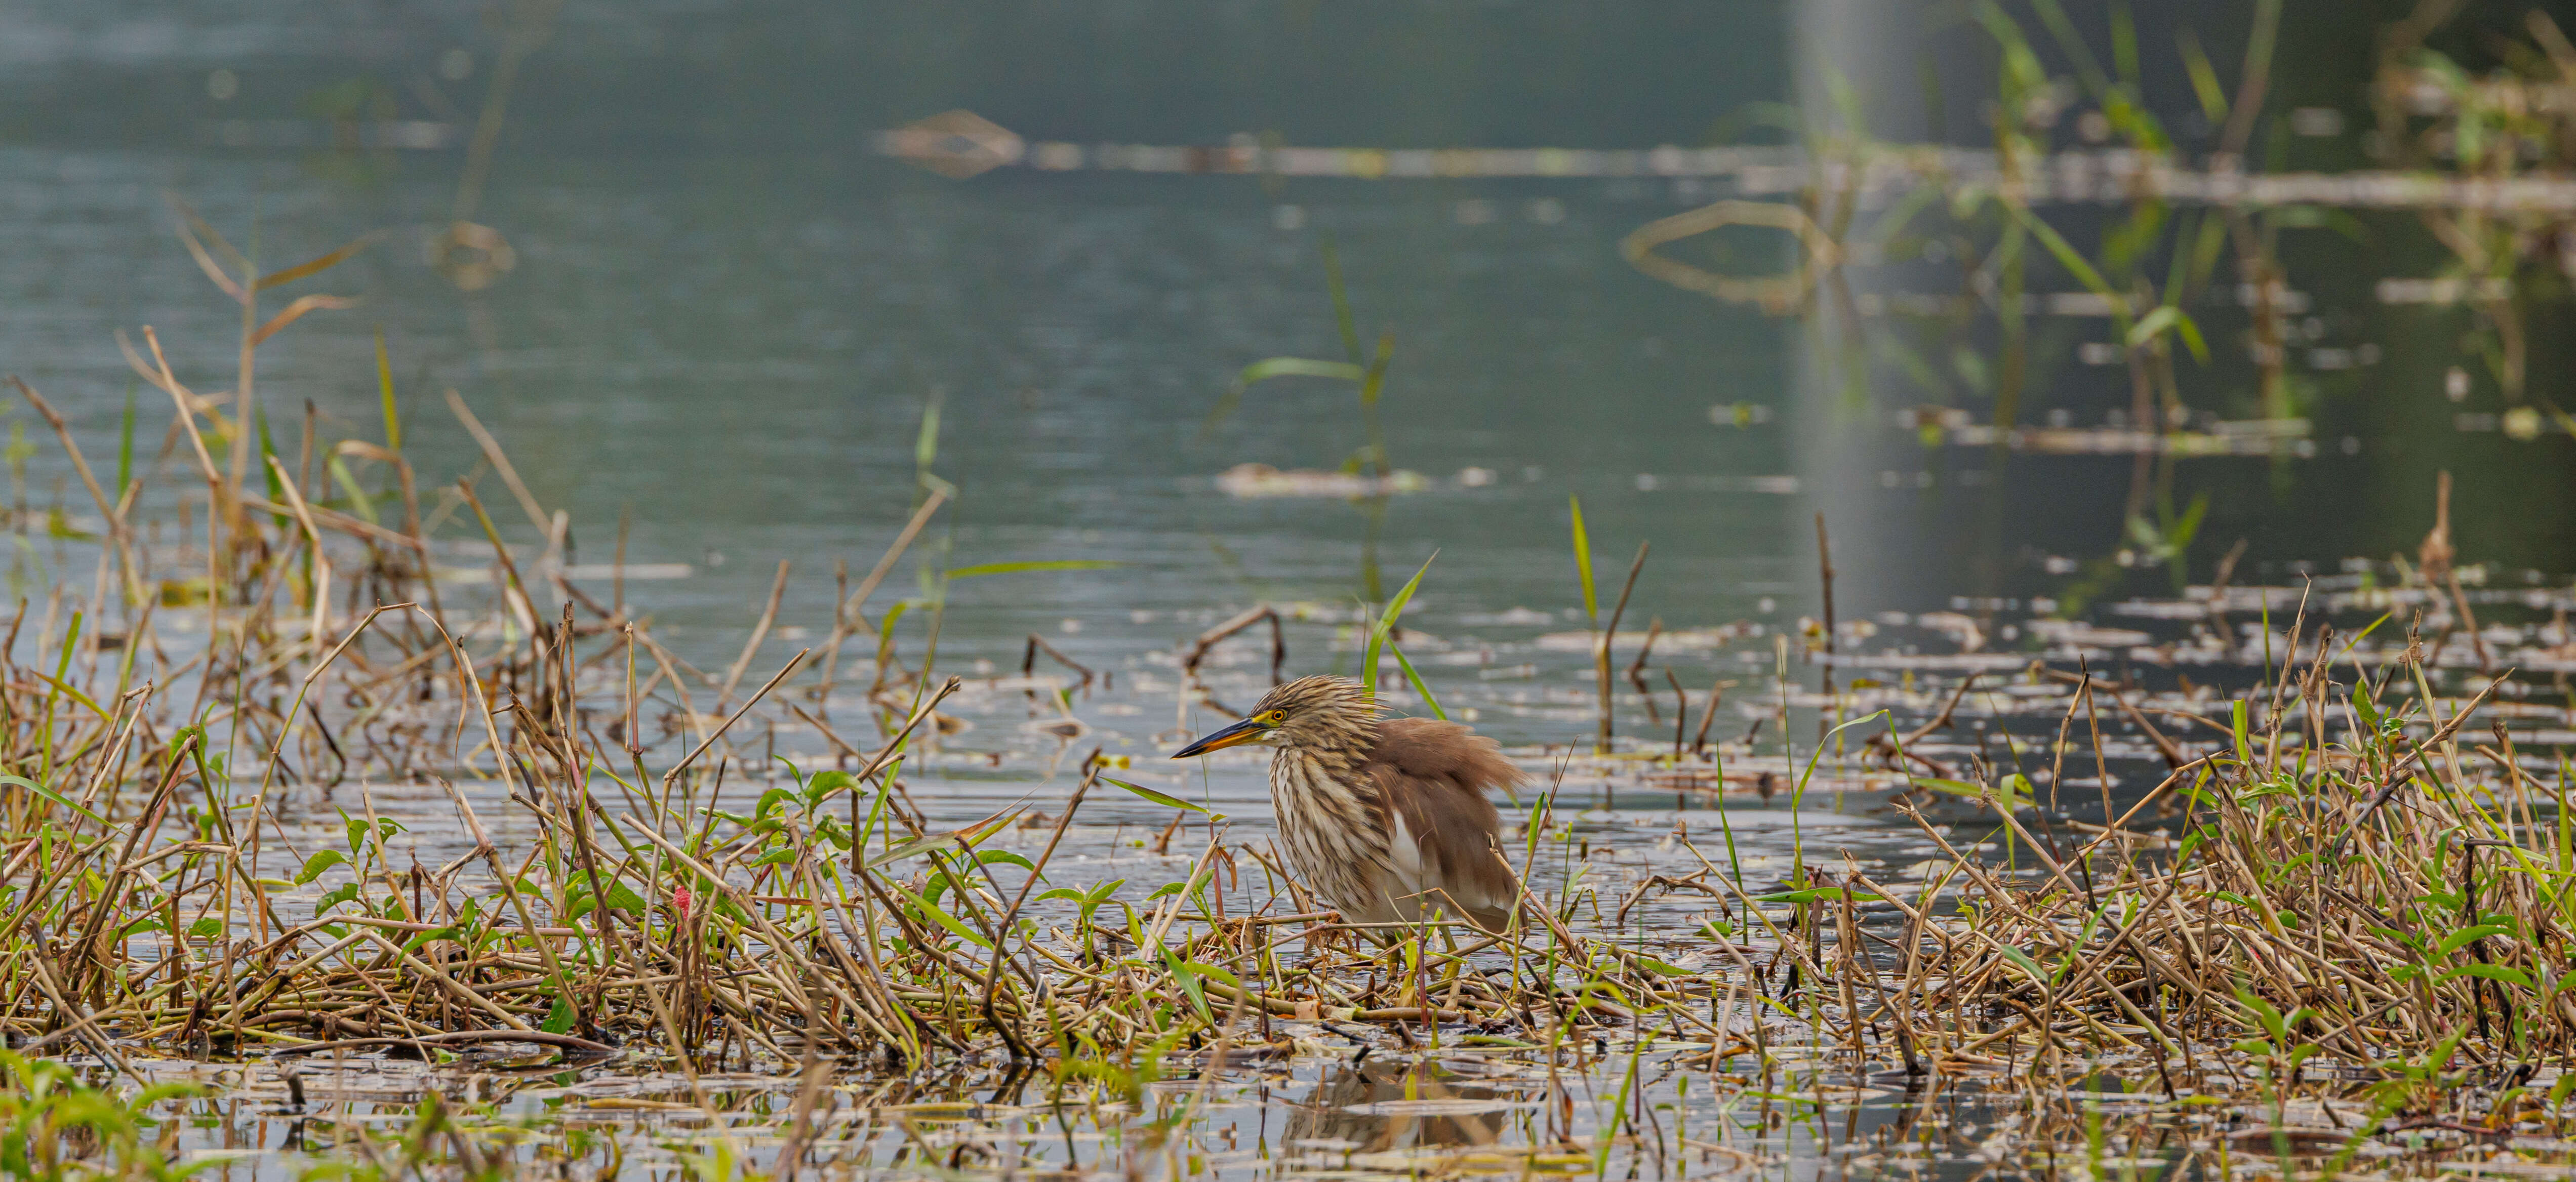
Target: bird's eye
[[1274, 717]]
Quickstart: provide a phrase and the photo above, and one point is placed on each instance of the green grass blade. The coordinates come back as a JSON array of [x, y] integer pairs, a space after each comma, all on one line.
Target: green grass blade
[[50, 794], [2204, 79], [925, 449], [1276, 367], [1163, 799], [1373, 379], [1386, 624], [1418, 687], [2065, 253], [358, 498], [931, 912], [2124, 44], [1341, 302], [385, 394], [125, 442], [1583, 559]]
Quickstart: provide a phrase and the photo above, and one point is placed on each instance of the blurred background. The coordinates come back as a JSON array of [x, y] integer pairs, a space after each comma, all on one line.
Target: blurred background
[[2022, 323]]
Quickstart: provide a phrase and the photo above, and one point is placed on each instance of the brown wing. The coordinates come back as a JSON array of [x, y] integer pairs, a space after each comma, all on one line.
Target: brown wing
[[1434, 775]]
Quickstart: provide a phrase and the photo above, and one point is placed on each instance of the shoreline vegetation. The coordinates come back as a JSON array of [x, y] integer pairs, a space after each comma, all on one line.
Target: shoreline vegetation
[[2350, 890], [2334, 933]]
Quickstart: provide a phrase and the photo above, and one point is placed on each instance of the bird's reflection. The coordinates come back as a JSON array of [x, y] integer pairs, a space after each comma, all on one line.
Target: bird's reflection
[[1362, 1109]]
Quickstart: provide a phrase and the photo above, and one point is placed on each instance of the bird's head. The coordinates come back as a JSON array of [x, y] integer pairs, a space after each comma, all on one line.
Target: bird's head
[[1310, 712]]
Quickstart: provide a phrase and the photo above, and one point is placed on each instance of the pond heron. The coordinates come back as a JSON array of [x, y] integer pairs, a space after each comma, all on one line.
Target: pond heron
[[1386, 818]]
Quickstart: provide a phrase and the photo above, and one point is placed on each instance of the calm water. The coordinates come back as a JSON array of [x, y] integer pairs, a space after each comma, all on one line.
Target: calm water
[[727, 317]]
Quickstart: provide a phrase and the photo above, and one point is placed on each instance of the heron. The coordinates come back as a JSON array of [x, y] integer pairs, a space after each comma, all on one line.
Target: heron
[[1386, 818]]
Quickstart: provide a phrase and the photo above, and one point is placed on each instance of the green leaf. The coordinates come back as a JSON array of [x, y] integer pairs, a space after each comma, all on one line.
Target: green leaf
[[2204, 80], [1386, 623], [2002, 794], [206, 929], [385, 393], [1418, 686], [1187, 975], [433, 935], [885, 625], [67, 688], [2057, 245], [1201, 968], [1007, 858], [1281, 367], [1342, 318], [1157, 797], [125, 440], [559, 1019], [824, 784], [2190, 330], [931, 912], [50, 794], [2166, 317], [2492, 972], [1583, 559], [1068, 894], [1811, 894], [2460, 939], [925, 448], [348, 482], [2021, 960], [336, 896], [1167, 890], [315, 865], [620, 897]]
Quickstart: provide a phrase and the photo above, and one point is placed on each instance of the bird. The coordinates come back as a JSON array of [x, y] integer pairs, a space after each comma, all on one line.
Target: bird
[[1386, 818]]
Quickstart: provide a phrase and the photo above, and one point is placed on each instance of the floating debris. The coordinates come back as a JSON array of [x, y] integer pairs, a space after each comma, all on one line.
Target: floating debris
[[1262, 480]]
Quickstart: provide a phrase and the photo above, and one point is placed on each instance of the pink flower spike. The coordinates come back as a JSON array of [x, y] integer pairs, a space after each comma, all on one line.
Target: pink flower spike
[[680, 901]]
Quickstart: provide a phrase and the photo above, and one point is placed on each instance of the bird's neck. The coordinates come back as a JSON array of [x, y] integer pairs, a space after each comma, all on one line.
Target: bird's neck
[[1328, 770]]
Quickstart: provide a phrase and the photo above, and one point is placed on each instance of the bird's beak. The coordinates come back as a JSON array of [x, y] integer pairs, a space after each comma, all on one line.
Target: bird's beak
[[1246, 731]]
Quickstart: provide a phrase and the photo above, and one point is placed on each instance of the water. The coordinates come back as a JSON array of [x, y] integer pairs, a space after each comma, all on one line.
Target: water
[[727, 320]]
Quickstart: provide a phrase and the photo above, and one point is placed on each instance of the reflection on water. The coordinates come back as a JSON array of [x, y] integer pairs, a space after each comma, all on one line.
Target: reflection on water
[[1397, 1108]]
